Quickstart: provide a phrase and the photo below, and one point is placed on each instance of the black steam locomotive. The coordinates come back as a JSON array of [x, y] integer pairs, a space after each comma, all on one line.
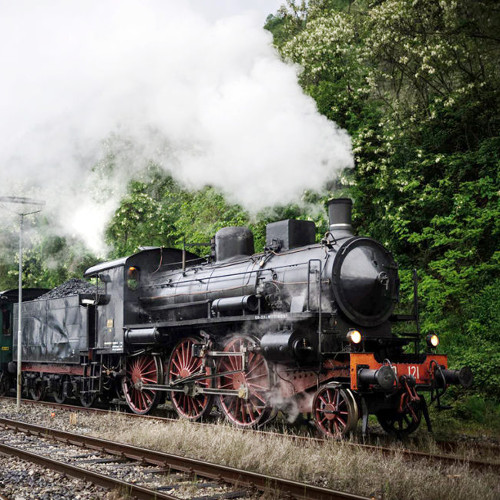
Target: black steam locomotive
[[304, 327]]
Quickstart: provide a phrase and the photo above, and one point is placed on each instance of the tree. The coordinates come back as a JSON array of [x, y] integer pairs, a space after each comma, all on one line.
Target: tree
[[416, 83], [157, 211], [48, 259]]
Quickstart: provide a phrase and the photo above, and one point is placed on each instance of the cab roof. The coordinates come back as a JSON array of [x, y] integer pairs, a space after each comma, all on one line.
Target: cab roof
[[174, 253]]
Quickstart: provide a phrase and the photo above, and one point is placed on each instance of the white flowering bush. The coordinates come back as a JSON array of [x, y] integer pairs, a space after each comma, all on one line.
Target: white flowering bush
[[417, 85]]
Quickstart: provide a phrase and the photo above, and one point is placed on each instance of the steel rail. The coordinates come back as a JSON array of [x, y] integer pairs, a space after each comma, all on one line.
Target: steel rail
[[407, 454], [88, 475], [201, 468]]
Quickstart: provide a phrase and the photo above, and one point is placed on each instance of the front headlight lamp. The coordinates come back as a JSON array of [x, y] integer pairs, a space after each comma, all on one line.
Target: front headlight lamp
[[354, 337], [432, 340]]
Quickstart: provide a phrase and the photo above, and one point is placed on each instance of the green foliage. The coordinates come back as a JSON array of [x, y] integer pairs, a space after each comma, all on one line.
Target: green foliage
[[416, 83], [54, 260], [470, 413], [144, 217], [48, 259], [475, 408], [202, 213], [157, 211], [291, 211]]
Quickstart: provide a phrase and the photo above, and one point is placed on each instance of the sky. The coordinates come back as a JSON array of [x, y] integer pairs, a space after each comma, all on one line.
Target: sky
[[216, 9], [195, 87]]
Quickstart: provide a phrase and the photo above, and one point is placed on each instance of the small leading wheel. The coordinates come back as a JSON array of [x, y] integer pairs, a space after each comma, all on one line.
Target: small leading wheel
[[401, 424], [183, 364], [143, 369], [37, 391], [253, 410], [335, 411]]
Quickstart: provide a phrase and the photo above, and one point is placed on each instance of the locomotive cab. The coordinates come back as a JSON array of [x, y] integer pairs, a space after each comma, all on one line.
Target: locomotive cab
[[120, 318]]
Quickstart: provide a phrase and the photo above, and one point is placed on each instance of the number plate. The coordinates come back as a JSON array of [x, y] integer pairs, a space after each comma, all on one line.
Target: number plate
[[411, 370]]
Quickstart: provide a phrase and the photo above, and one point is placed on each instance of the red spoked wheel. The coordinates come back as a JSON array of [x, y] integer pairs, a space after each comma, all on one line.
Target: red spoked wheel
[[143, 369], [183, 364], [255, 380], [401, 424], [335, 411]]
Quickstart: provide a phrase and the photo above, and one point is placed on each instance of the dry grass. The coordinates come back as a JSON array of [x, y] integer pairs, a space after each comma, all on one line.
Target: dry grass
[[333, 464]]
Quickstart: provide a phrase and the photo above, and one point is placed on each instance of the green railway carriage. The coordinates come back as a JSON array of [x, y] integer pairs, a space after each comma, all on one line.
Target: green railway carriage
[[7, 300], [5, 330]]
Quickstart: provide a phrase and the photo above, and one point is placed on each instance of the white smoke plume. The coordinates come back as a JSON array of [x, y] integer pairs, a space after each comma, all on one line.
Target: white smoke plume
[[207, 99]]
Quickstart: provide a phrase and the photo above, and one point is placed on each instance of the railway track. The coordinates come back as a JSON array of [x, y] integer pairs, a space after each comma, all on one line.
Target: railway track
[[33, 443], [445, 459]]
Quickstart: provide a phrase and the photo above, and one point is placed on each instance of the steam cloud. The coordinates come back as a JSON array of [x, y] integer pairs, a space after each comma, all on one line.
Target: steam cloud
[[209, 100]]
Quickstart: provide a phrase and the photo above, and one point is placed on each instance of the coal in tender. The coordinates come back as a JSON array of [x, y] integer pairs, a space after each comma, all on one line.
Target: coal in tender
[[71, 287]]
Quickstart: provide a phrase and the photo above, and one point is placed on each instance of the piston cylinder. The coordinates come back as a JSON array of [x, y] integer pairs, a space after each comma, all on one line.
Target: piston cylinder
[[287, 346]]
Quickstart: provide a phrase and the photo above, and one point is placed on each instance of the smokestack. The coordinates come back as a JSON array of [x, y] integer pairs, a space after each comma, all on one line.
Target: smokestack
[[339, 213]]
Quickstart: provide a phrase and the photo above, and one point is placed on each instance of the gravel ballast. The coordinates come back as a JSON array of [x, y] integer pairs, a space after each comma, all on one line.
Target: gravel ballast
[[332, 464], [22, 481]]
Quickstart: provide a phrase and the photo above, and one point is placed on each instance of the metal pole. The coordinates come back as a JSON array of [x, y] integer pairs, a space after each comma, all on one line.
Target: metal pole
[[20, 200], [19, 315]]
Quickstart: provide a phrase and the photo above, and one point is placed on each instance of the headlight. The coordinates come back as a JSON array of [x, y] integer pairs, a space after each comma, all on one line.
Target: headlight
[[354, 336], [432, 340]]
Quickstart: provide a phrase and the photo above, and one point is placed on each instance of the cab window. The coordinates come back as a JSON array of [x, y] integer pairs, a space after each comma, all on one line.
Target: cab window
[[133, 278]]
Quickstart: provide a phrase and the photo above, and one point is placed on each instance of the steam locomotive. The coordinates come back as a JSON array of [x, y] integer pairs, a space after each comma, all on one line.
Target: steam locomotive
[[303, 327]]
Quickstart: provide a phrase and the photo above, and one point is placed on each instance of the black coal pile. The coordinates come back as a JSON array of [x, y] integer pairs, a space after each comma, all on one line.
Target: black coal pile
[[73, 286]]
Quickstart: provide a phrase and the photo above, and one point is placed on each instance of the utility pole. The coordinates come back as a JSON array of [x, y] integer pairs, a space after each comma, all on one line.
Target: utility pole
[[22, 212]]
